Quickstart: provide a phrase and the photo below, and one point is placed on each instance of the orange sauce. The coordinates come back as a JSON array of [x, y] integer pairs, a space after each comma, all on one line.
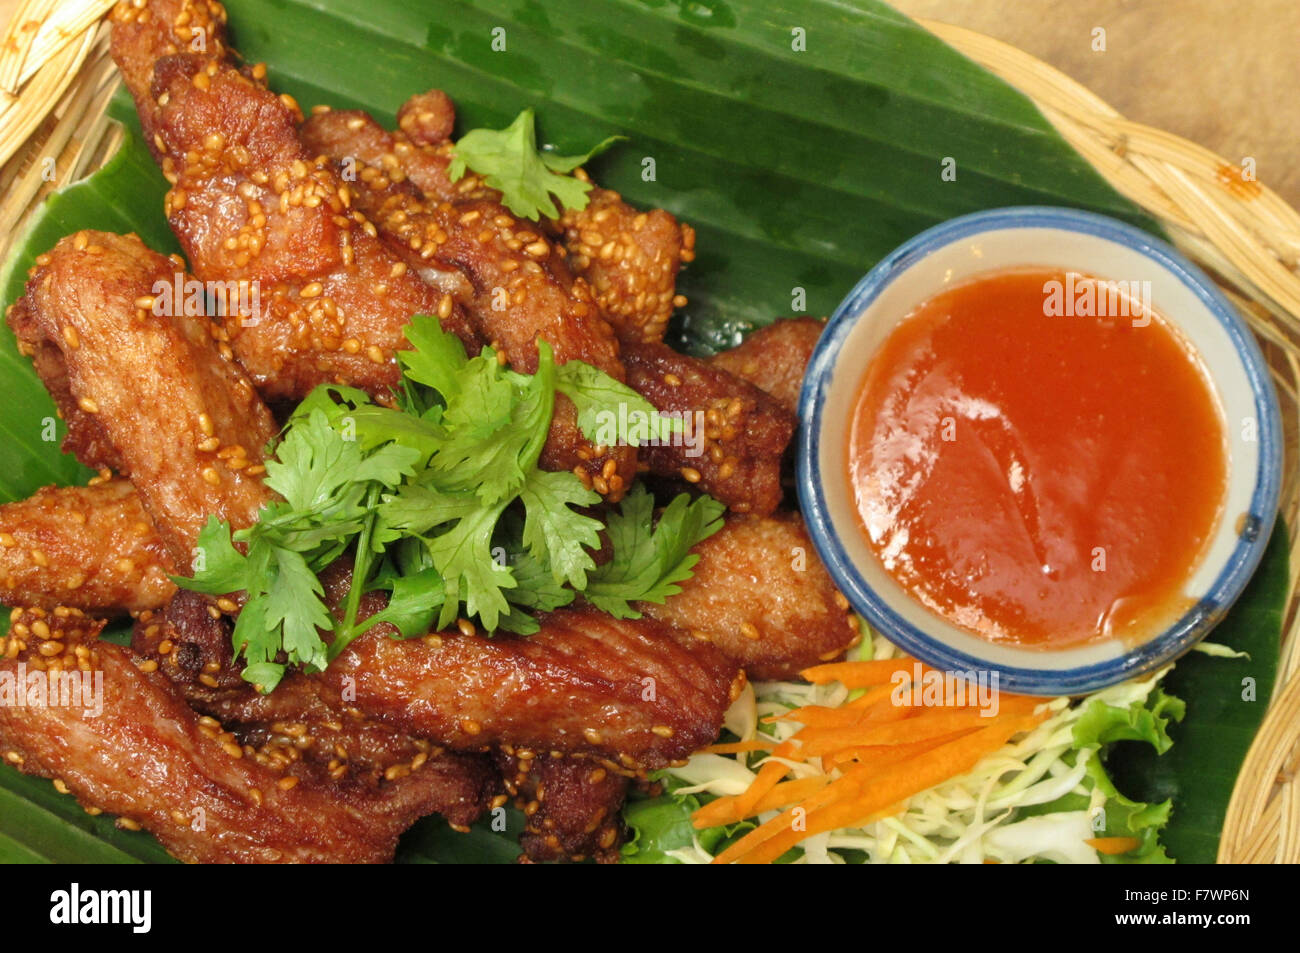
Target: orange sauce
[[1040, 479]]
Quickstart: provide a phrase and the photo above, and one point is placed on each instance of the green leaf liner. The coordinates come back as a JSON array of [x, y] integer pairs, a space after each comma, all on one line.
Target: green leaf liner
[[799, 169]]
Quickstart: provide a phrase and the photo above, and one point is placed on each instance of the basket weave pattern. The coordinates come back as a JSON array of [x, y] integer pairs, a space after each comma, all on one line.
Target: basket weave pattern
[[56, 79]]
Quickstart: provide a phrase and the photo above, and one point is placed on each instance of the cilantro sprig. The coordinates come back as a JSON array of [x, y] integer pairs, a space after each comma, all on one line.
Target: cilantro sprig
[[441, 502], [509, 161]]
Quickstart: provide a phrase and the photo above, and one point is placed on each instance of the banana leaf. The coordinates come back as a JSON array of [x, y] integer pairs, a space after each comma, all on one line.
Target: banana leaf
[[804, 139]]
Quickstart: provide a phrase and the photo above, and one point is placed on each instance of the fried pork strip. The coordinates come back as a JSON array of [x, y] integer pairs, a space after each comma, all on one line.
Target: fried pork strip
[[296, 728], [761, 595], [251, 206], [85, 438], [639, 694], [520, 288], [572, 805], [774, 358], [629, 257], [148, 758], [636, 694], [94, 547], [736, 433], [184, 423]]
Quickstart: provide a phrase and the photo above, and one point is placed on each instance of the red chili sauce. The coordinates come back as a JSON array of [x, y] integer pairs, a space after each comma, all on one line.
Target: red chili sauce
[[1039, 479]]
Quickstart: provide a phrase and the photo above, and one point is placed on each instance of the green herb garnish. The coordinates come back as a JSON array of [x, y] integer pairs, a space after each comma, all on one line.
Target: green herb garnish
[[443, 504], [509, 161]]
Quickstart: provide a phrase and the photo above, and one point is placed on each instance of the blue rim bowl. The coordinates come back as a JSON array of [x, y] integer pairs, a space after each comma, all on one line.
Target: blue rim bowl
[[1071, 240]]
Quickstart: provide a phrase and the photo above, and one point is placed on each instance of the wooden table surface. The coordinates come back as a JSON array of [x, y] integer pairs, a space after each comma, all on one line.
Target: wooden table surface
[[1218, 72]]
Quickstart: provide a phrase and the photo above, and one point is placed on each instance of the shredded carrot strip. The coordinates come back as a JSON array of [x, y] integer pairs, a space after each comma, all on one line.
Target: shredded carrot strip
[[724, 809], [1113, 845], [824, 741], [860, 674], [884, 756], [876, 698], [861, 794], [739, 747], [769, 775]]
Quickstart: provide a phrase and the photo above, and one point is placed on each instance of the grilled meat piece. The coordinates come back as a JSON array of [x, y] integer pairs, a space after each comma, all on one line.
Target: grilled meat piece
[[293, 726], [519, 288], [250, 204], [761, 595], [147, 757], [628, 256], [572, 805], [774, 358], [736, 433], [93, 547], [638, 694], [184, 423]]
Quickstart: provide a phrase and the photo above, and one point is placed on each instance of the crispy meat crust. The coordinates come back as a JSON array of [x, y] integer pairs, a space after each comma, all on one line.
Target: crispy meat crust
[[184, 423], [85, 438], [639, 694], [571, 804], [293, 727], [248, 203], [774, 358], [744, 435], [92, 547], [761, 595], [630, 258], [635, 694], [181, 771], [518, 287]]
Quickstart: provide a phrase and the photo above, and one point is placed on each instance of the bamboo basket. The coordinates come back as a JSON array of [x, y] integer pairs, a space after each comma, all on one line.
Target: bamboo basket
[[56, 79]]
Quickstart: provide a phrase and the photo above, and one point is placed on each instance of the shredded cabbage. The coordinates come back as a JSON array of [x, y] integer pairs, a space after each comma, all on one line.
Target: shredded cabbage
[[1042, 797]]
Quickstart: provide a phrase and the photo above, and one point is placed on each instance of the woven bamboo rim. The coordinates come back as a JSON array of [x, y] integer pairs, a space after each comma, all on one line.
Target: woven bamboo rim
[[56, 79]]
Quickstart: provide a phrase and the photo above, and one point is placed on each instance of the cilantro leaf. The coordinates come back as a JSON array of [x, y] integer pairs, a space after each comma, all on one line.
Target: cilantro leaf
[[413, 602], [535, 589], [494, 467], [435, 358], [509, 161], [295, 604], [555, 533], [650, 559], [219, 567], [609, 412], [463, 557], [314, 463]]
